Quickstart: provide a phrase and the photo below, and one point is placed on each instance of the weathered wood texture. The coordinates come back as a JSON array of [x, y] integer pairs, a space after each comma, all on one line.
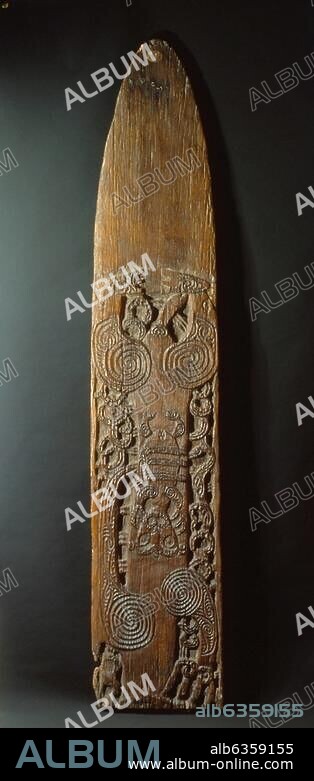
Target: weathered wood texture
[[156, 582]]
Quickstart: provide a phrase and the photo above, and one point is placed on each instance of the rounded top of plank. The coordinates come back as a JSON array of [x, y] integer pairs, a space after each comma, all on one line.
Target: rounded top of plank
[[154, 189]]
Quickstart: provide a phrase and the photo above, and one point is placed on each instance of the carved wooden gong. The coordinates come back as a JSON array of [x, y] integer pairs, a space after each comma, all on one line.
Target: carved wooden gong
[[156, 581]]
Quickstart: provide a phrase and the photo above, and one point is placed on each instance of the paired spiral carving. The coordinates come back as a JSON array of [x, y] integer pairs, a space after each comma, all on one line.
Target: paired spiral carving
[[131, 624], [123, 363], [192, 361], [181, 593]]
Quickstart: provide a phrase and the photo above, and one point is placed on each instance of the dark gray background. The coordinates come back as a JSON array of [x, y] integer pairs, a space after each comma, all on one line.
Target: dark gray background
[[259, 161]]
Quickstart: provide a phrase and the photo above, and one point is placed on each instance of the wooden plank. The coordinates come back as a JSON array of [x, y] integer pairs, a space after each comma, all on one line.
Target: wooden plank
[[156, 574]]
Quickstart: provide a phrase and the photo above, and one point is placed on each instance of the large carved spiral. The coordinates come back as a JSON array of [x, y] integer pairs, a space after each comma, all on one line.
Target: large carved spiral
[[192, 361], [132, 625], [123, 363], [181, 592]]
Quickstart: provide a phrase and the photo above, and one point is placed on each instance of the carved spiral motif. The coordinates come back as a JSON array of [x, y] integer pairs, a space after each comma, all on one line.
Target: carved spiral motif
[[208, 624], [131, 624], [192, 361], [123, 363], [181, 593]]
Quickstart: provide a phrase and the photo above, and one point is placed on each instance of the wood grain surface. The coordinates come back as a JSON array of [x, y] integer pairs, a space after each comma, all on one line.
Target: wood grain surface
[[156, 577]]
